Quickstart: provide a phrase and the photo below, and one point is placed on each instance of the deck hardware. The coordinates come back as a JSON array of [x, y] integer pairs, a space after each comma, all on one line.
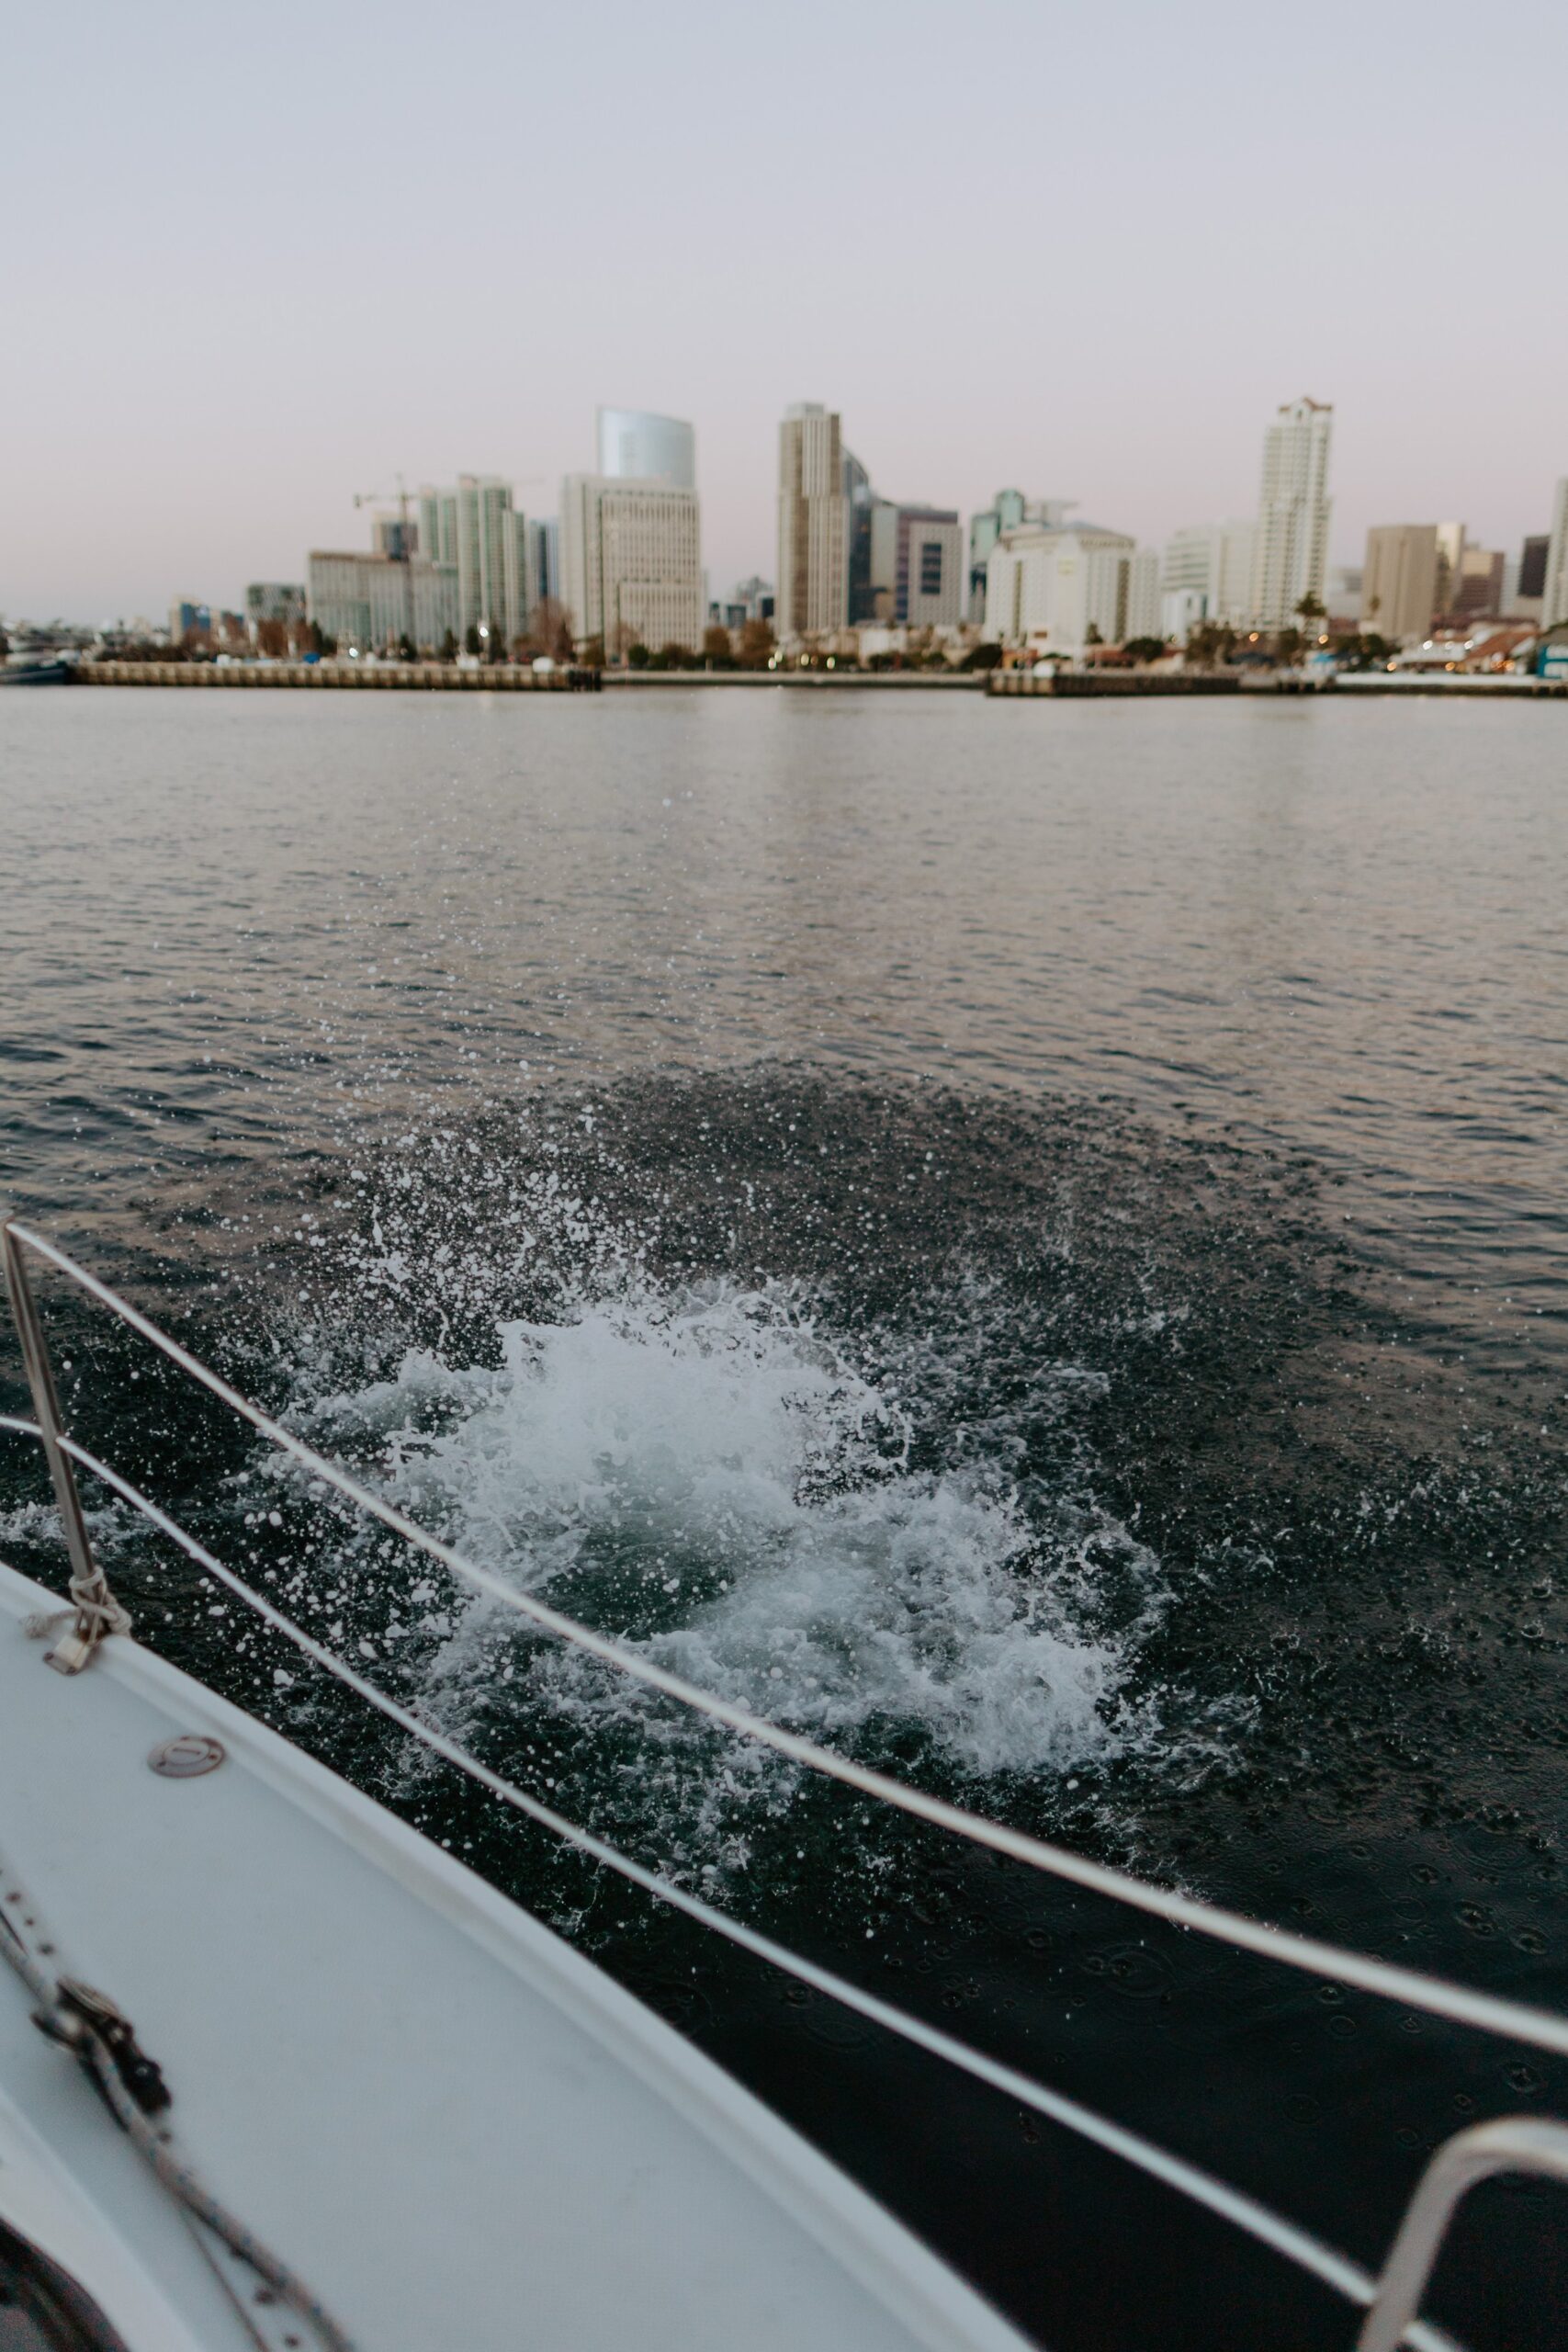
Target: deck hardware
[[1508, 2143], [187, 1757], [82, 2016], [94, 1610]]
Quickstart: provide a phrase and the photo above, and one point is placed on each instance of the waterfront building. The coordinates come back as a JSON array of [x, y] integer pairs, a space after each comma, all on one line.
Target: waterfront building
[[1399, 581], [813, 523], [637, 446], [1476, 588], [1344, 594], [631, 562], [488, 585], [755, 597], [273, 599], [917, 565], [1206, 575], [1532, 565], [438, 526], [1063, 591], [1451, 553], [185, 614], [1290, 557], [1554, 576], [861, 499], [1008, 511], [538, 563], [367, 602]]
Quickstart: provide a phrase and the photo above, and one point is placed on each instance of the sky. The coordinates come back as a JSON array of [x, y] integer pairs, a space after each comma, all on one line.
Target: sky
[[256, 261]]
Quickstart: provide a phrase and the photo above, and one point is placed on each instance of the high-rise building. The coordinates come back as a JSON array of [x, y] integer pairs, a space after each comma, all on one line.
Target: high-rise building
[[1207, 572], [861, 499], [813, 571], [538, 563], [488, 596], [439, 526], [185, 614], [631, 562], [1555, 580], [1008, 511], [1451, 553], [1476, 589], [1399, 580], [1532, 565], [917, 565], [637, 446], [1066, 590], [1290, 557]]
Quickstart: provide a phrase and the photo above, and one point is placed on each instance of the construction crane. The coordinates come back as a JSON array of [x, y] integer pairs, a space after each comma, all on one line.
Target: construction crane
[[405, 551]]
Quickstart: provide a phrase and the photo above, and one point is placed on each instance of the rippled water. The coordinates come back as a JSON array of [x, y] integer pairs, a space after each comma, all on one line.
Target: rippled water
[[1026, 1240]]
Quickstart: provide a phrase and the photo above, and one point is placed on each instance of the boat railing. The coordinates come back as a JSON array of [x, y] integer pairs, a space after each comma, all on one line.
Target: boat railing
[[1391, 2299]]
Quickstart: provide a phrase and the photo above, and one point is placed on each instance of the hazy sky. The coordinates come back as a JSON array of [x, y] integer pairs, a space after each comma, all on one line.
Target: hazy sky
[[255, 259]]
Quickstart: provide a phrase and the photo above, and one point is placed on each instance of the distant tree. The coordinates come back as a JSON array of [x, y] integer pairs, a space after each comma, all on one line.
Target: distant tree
[[407, 650], [272, 639], [638, 655], [593, 655], [4, 645], [326, 645], [448, 647], [756, 644], [471, 637], [1091, 634], [716, 651], [676, 657], [546, 624], [1310, 608], [1288, 644], [1144, 648], [982, 657], [1209, 643]]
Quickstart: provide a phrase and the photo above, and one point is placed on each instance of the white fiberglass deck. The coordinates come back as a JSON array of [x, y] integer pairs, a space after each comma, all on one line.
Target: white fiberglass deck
[[458, 2131]]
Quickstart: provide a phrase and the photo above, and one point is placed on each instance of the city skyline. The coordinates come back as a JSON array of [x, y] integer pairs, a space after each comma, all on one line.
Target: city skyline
[[266, 269]]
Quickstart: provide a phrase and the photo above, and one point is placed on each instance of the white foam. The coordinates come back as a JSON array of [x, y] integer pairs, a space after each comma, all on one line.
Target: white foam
[[718, 1485]]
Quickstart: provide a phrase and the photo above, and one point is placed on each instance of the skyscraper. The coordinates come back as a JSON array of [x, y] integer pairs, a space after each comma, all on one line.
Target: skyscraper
[[861, 499], [1291, 554], [487, 557], [637, 446], [917, 565], [812, 574], [1554, 588], [631, 562], [1399, 580]]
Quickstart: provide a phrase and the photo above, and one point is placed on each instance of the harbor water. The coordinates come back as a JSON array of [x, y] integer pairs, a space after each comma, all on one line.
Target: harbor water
[[1026, 1239]]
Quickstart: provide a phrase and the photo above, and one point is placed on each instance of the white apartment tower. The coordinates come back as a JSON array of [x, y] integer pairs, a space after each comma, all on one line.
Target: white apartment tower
[[1290, 557], [813, 593], [475, 528], [1554, 592], [631, 562], [488, 588]]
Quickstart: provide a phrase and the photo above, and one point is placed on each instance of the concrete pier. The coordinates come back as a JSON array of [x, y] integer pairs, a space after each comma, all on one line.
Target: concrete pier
[[430, 677]]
